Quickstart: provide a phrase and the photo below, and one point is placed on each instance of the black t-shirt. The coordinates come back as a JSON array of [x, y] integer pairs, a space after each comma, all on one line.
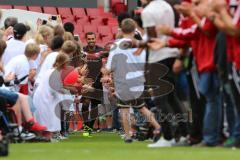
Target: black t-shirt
[[94, 66]]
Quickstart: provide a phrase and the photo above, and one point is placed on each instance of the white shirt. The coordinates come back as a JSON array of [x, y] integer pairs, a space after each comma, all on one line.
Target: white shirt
[[135, 70], [47, 64], [14, 48], [159, 12], [18, 65]]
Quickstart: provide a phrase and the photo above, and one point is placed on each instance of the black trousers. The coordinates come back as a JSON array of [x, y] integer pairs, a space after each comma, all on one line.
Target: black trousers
[[169, 105]]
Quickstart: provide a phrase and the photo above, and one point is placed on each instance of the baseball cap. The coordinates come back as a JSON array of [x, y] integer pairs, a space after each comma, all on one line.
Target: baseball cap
[[19, 30]]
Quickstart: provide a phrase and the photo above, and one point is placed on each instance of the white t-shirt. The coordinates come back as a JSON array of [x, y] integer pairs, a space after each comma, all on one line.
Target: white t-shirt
[[159, 12], [47, 64], [18, 65], [14, 48], [133, 67]]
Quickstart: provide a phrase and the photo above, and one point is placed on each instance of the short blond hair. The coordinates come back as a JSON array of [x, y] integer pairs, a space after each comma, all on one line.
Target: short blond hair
[[128, 26], [69, 47], [31, 50]]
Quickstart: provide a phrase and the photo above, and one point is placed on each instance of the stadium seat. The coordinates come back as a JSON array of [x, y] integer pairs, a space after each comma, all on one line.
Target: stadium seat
[[93, 12], [79, 12], [78, 29], [50, 10], [35, 9], [104, 30], [64, 11], [101, 10], [90, 28], [68, 19], [5, 6], [20, 7], [107, 15], [83, 21], [97, 21], [107, 38], [113, 22], [114, 30]]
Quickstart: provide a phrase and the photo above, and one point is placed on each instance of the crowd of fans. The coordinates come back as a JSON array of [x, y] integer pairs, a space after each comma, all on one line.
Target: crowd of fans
[[175, 83]]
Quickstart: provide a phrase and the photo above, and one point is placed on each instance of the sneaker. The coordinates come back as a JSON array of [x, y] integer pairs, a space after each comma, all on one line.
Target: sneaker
[[34, 126], [27, 136], [162, 143], [128, 140], [39, 139], [230, 142], [183, 141]]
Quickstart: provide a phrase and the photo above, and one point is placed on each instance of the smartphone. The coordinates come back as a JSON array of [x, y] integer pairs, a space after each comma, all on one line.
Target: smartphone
[[54, 18], [76, 38], [44, 22]]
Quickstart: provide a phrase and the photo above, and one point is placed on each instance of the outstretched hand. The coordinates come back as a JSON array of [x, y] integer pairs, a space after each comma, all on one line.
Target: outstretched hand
[[156, 44]]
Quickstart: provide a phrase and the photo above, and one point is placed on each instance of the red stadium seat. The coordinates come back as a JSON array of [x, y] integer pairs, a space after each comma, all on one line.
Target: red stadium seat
[[93, 12], [78, 29], [107, 15], [104, 30], [50, 10], [113, 22], [107, 38], [20, 7], [101, 10], [5, 7], [115, 30], [97, 21], [79, 12], [35, 9], [64, 11], [90, 28], [83, 21], [68, 19]]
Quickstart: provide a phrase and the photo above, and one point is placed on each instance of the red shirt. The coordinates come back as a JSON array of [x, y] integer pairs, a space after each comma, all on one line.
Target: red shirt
[[202, 43], [233, 43], [184, 23]]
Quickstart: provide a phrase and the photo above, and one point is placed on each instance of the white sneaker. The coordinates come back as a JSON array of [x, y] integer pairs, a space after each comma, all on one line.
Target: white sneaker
[[162, 143], [183, 141], [27, 136]]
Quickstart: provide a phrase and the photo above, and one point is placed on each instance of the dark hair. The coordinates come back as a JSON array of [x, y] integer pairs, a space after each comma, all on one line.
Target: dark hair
[[10, 21], [57, 42], [69, 27], [90, 33], [122, 16], [137, 18]]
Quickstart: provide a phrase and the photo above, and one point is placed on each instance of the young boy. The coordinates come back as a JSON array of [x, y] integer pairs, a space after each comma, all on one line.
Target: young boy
[[19, 65], [128, 78]]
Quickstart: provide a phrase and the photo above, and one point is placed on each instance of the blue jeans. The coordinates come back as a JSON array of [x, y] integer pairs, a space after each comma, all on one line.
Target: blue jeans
[[237, 127], [230, 107], [10, 96], [209, 86]]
